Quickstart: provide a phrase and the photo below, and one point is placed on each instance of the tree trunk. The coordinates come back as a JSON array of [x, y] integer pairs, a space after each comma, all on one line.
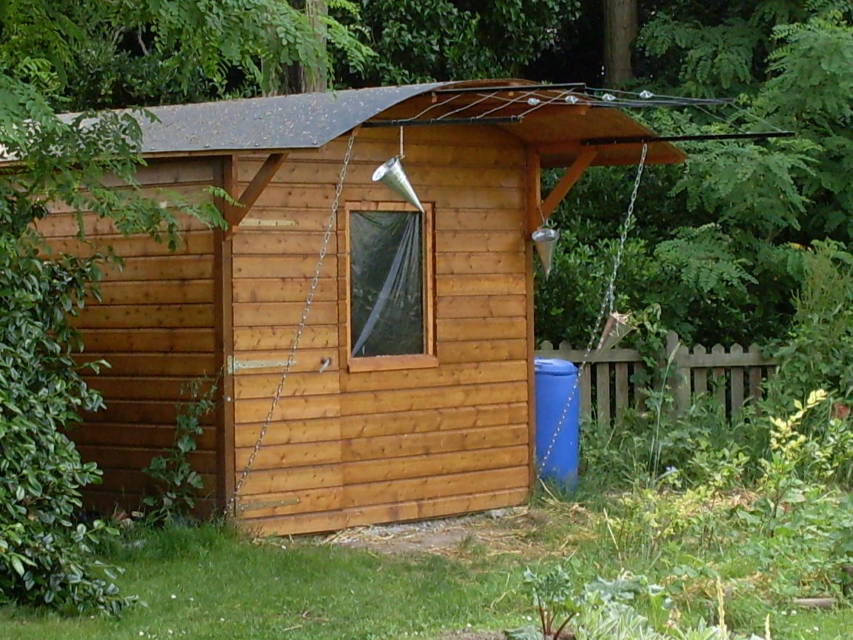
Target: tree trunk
[[314, 76], [620, 30]]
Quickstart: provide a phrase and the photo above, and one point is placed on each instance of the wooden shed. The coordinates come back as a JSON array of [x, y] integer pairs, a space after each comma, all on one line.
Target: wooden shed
[[432, 413]]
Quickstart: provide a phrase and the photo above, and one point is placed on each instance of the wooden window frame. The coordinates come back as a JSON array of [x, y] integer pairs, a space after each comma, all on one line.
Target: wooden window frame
[[423, 360]]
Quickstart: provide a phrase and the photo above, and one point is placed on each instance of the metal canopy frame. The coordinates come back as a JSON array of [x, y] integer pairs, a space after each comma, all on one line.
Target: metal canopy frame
[[588, 142], [758, 135], [413, 122], [572, 95], [513, 87]]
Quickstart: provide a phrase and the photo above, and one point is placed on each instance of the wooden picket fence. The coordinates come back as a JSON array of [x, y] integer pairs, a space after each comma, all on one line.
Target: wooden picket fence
[[733, 375]]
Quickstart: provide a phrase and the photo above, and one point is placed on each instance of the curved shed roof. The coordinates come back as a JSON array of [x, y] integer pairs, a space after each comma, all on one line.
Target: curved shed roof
[[310, 120], [297, 121]]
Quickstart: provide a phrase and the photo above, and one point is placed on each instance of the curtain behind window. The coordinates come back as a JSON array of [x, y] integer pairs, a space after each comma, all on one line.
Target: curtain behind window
[[386, 280]]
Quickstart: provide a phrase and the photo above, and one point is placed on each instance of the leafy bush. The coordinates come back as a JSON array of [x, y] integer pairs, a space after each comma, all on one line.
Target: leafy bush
[[177, 480], [45, 557], [818, 351], [605, 609]]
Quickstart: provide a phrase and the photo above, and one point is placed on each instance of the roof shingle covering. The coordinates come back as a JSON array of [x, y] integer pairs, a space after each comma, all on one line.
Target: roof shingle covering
[[298, 121], [310, 120]]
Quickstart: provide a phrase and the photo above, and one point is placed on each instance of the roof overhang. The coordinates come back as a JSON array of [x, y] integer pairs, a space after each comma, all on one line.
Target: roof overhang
[[540, 117], [555, 128]]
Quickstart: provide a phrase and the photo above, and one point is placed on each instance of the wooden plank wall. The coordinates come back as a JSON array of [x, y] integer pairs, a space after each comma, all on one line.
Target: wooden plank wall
[[155, 326], [347, 449]]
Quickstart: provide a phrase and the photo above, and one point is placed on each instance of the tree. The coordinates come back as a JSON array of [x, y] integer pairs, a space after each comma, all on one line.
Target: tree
[[426, 40], [314, 78], [620, 30], [93, 54], [79, 56], [719, 242], [45, 552]]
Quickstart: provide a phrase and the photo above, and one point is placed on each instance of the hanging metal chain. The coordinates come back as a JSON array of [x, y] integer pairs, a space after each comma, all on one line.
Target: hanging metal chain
[[303, 321], [606, 304]]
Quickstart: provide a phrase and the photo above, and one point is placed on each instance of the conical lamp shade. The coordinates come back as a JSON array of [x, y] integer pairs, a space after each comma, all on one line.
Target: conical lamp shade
[[546, 241], [392, 175]]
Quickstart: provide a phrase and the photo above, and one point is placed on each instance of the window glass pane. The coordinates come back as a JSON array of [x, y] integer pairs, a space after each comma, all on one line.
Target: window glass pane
[[386, 281]]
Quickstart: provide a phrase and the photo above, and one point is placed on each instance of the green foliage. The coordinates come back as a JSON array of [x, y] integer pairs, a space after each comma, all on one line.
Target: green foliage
[[177, 481], [722, 236], [423, 40], [604, 609], [818, 351], [552, 592], [91, 54], [45, 555]]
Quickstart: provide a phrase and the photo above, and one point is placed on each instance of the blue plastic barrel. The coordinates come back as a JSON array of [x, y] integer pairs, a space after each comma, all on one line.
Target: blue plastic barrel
[[557, 456]]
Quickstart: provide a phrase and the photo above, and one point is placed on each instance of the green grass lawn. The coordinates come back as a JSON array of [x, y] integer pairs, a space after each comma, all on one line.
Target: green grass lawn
[[212, 583], [204, 583]]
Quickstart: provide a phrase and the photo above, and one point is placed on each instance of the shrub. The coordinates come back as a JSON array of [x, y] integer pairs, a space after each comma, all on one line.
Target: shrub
[[45, 556], [177, 481], [818, 352]]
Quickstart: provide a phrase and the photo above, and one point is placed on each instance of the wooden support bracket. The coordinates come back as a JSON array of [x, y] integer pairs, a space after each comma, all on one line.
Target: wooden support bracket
[[539, 210], [255, 188], [572, 175]]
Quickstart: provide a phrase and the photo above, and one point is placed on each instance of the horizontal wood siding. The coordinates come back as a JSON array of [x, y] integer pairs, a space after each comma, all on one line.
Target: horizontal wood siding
[[155, 326], [346, 449]]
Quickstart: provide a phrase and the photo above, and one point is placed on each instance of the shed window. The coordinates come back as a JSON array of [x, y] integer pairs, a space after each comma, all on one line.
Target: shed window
[[390, 287]]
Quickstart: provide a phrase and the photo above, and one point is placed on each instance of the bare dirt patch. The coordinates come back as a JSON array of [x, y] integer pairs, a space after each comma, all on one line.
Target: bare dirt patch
[[512, 531]]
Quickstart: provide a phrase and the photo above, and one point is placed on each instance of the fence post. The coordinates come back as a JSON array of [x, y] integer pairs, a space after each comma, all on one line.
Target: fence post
[[680, 372]]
